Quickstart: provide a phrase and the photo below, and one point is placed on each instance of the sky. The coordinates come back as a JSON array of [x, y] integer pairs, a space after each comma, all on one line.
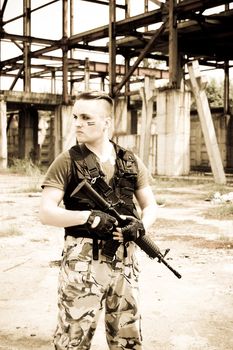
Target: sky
[[47, 23]]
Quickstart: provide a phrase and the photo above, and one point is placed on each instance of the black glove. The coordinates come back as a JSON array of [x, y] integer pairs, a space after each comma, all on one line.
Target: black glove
[[133, 229], [105, 227]]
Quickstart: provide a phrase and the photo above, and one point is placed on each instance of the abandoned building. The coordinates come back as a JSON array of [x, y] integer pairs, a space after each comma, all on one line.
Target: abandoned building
[[148, 59]]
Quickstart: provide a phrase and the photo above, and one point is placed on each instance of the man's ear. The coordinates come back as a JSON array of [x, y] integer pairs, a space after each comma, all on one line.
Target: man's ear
[[110, 127], [108, 122]]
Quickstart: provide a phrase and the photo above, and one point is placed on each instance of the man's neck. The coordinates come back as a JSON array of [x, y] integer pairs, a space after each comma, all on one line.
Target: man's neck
[[103, 150]]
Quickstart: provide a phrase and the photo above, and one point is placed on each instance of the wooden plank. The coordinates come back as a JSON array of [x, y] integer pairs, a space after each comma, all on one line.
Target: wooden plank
[[198, 89]]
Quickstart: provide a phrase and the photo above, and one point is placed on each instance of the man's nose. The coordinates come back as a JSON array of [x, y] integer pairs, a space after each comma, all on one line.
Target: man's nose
[[78, 122]]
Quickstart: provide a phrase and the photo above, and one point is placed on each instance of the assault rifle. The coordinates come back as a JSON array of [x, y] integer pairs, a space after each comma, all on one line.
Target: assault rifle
[[110, 247]]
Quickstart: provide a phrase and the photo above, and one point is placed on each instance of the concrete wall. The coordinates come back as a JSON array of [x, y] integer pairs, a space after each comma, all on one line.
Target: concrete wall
[[173, 130], [60, 136], [198, 152], [3, 134]]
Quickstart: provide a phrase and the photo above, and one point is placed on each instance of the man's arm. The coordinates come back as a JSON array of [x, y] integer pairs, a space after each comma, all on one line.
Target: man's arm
[[148, 206], [51, 214]]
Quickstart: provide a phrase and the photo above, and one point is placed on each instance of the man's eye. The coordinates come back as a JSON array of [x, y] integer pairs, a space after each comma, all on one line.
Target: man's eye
[[75, 116]]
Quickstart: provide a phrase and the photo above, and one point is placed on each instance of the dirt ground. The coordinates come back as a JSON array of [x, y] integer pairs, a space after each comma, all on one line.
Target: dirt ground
[[191, 313]]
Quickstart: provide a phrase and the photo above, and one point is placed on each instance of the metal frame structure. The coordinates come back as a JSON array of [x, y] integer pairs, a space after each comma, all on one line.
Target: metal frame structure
[[183, 32]]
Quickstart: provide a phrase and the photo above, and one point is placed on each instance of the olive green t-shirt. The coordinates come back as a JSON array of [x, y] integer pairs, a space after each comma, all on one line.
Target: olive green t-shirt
[[59, 172]]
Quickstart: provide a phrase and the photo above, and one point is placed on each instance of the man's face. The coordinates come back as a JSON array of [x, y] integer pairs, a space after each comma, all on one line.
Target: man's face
[[92, 120]]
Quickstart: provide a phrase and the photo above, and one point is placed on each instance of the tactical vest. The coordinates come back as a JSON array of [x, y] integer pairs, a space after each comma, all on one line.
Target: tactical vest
[[119, 192]]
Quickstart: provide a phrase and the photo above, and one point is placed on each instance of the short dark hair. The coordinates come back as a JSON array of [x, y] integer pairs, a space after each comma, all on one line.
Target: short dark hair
[[95, 95]]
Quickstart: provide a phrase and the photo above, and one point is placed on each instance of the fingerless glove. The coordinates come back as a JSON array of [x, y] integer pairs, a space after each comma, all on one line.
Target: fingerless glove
[[105, 227], [133, 229]]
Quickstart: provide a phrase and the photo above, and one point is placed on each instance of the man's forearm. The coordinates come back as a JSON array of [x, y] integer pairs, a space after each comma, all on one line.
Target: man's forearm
[[61, 217], [149, 215]]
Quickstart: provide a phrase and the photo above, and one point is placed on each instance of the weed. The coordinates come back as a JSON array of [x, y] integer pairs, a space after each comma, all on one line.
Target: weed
[[9, 231], [24, 167], [28, 176], [220, 212], [214, 188]]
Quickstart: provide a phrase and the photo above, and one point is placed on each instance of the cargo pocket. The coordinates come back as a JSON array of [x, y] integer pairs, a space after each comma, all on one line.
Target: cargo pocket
[[76, 265]]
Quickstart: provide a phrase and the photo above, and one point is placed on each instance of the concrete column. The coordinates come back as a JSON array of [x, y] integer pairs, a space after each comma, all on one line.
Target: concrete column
[[68, 128], [28, 134], [147, 95], [230, 142], [3, 135], [87, 74], [173, 120], [198, 85], [121, 117], [64, 129], [57, 131]]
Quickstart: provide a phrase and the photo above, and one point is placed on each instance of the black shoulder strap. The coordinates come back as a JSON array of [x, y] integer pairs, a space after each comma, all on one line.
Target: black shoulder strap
[[81, 155], [126, 161]]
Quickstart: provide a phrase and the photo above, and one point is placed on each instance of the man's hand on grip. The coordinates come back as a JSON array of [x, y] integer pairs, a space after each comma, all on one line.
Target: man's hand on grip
[[102, 224], [133, 229]]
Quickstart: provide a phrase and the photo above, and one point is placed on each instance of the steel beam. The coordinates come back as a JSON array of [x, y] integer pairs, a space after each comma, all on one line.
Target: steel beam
[[184, 10], [24, 13], [3, 7], [27, 38], [173, 45], [101, 2], [27, 46], [112, 46], [140, 57], [17, 77], [65, 51]]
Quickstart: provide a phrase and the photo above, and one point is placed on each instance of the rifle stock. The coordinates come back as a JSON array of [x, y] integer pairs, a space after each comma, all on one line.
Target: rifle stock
[[110, 247]]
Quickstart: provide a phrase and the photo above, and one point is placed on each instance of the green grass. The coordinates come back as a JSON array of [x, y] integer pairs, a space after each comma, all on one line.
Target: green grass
[[9, 231], [220, 212], [205, 191], [32, 173], [23, 167]]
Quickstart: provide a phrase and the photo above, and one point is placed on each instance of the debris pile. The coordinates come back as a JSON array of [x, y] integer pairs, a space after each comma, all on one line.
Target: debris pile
[[222, 198]]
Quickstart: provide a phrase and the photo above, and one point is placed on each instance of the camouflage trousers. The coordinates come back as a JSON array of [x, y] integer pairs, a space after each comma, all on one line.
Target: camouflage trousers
[[88, 286]]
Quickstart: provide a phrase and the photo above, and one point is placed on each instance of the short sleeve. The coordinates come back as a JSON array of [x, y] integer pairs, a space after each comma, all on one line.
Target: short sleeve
[[59, 172], [143, 178]]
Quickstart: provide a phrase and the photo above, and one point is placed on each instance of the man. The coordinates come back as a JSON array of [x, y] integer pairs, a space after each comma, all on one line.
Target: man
[[89, 279]]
